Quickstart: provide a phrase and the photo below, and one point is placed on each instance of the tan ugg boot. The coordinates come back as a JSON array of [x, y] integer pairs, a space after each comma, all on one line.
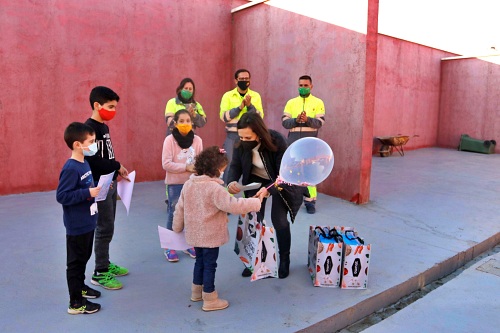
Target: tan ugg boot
[[196, 292], [212, 302]]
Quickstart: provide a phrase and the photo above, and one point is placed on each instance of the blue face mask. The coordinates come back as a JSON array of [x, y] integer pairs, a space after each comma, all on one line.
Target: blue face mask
[[92, 150]]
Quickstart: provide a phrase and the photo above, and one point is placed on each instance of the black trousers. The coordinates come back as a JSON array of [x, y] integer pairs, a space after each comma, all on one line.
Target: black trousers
[[78, 252]]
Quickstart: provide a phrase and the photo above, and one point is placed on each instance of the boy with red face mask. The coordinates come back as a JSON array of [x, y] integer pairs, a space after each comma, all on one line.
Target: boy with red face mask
[[103, 102]]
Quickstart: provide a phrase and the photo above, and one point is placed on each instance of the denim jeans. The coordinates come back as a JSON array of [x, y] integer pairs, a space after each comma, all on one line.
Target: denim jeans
[[174, 192], [204, 267], [105, 229]]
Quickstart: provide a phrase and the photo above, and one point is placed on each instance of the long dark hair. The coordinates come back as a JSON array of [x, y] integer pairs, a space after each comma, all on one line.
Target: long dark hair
[[257, 125], [181, 85]]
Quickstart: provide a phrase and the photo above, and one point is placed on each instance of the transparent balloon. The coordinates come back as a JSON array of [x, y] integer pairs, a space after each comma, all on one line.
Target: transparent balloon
[[307, 161]]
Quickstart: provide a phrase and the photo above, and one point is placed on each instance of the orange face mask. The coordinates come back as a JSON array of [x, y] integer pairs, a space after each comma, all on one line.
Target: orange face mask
[[184, 129]]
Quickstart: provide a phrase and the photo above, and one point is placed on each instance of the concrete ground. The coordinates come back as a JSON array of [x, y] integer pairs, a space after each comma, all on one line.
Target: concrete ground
[[470, 302], [430, 212]]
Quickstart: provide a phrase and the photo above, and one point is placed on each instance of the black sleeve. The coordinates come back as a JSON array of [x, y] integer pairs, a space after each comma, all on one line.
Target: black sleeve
[[235, 166], [101, 166]]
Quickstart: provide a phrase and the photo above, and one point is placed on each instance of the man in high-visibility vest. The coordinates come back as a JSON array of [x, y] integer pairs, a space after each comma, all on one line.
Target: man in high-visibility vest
[[303, 117], [233, 105]]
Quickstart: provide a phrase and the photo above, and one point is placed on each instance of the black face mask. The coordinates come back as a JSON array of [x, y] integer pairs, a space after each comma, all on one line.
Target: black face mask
[[243, 85], [249, 145]]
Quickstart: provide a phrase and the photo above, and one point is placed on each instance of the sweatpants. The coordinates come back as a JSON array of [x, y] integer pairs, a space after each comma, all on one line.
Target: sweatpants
[[78, 252], [105, 229]]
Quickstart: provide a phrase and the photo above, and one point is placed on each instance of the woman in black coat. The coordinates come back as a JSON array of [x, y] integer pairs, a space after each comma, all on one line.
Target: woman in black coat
[[257, 158]]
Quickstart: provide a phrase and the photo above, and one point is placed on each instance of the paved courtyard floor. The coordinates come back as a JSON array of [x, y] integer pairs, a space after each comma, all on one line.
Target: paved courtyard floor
[[430, 212]]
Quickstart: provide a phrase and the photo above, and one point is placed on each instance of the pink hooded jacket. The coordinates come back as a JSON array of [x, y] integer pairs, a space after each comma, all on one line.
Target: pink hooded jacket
[[202, 211]]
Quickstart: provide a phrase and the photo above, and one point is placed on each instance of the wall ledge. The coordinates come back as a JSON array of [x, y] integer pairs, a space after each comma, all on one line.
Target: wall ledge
[[248, 5], [470, 57]]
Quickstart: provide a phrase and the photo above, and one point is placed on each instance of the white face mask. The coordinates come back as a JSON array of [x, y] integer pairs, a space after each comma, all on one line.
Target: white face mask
[[92, 150]]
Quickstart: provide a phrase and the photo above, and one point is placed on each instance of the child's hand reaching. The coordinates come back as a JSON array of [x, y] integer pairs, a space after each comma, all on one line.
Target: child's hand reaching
[[261, 194], [123, 173], [94, 191], [190, 168]]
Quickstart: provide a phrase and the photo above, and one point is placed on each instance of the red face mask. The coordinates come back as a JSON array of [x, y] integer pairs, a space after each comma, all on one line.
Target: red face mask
[[106, 115]]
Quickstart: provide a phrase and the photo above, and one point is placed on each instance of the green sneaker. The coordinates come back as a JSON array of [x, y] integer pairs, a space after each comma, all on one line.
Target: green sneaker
[[117, 270], [106, 280]]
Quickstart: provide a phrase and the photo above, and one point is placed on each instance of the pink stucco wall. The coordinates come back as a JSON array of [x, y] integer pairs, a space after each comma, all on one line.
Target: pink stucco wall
[[470, 101], [54, 51], [278, 47], [407, 92]]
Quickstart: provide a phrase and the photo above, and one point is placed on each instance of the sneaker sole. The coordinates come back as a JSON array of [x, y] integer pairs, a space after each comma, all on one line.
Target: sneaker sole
[[189, 254], [76, 312], [89, 297], [171, 260], [96, 283]]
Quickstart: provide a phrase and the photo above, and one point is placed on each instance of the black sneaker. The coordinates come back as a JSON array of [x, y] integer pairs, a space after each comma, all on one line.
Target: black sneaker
[[310, 207], [85, 307], [88, 292], [246, 272]]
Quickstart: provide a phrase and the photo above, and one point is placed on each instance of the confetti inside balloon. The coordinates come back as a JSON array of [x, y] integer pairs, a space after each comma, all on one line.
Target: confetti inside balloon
[[307, 161]]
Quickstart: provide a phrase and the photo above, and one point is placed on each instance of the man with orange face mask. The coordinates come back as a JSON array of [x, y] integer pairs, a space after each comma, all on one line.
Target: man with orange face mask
[[103, 102]]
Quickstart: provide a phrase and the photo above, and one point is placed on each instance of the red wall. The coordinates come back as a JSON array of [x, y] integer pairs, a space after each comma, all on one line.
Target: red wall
[[407, 92], [278, 47], [470, 101], [54, 51]]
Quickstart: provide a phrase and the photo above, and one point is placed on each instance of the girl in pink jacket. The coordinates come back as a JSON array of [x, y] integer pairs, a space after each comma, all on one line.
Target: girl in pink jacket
[[202, 212], [178, 155]]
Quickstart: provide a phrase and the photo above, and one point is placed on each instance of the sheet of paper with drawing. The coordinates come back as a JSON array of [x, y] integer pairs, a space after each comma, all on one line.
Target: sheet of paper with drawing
[[104, 182]]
